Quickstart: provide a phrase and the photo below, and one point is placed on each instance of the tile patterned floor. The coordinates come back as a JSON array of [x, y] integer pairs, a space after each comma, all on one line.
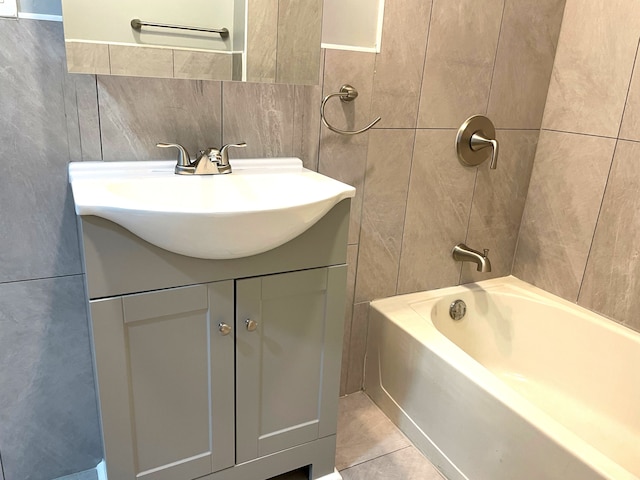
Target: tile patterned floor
[[370, 447]]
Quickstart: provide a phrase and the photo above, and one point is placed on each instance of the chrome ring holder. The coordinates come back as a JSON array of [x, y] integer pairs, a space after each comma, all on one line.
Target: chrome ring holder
[[347, 94]]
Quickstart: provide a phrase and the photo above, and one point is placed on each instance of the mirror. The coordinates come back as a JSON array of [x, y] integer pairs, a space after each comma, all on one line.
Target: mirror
[[272, 41]]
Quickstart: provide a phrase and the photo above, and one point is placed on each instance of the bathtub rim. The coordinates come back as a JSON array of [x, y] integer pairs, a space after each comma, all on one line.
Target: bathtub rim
[[398, 310]]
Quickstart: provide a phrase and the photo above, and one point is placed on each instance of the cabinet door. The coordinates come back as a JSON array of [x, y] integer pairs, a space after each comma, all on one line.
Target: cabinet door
[[165, 379], [288, 368]]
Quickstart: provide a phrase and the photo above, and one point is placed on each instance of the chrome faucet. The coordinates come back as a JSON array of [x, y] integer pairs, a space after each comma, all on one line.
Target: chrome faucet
[[209, 162], [462, 253]]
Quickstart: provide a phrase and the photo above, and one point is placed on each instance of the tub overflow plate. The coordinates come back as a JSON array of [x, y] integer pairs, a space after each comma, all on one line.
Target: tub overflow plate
[[457, 310]]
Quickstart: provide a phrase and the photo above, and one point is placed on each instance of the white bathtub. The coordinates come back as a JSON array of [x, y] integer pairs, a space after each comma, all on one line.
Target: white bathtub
[[525, 386]]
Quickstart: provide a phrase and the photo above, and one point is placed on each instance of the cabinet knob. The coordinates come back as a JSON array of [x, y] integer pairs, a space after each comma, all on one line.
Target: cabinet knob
[[224, 329], [251, 324]]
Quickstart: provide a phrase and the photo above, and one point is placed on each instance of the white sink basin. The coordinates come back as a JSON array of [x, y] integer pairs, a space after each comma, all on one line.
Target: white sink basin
[[263, 204]]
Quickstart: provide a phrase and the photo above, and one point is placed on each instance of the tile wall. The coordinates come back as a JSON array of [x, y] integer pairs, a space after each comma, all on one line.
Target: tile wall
[[48, 413], [581, 222], [414, 200]]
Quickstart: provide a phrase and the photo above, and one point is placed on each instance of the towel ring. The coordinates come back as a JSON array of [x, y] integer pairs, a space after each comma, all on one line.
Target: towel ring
[[347, 93]]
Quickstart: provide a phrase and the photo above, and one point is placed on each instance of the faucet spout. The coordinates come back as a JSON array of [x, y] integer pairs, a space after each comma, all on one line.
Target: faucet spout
[[462, 253]]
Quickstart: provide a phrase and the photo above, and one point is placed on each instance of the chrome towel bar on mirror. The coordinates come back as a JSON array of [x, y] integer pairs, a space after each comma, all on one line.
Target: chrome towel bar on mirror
[[137, 24], [347, 93]]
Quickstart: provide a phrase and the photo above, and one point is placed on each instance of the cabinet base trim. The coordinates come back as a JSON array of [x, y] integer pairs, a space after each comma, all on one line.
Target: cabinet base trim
[[320, 454], [332, 476]]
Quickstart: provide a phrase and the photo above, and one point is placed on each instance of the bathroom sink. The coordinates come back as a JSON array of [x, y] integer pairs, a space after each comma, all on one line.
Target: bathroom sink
[[263, 204]]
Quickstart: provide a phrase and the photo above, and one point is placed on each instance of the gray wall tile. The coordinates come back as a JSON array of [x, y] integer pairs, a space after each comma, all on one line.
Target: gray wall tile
[[262, 40], [344, 157], [202, 65], [81, 111], [498, 203], [385, 198], [306, 125], [630, 129], [137, 113], [356, 69], [612, 279], [48, 420], [593, 67], [440, 193], [567, 184], [88, 117], [141, 61], [299, 36], [591, 83], [352, 265], [399, 65], [460, 57], [261, 115], [524, 62], [86, 57], [37, 219]]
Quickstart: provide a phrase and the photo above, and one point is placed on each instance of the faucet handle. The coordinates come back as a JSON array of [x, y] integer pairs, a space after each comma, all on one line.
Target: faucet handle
[[486, 252], [224, 155], [184, 160], [478, 141]]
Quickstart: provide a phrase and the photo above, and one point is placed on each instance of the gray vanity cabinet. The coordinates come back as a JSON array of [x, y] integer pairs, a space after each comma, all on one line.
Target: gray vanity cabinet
[[165, 365], [287, 357], [217, 369], [166, 381]]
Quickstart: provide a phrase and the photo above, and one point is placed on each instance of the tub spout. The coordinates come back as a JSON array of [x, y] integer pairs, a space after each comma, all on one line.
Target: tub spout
[[462, 253]]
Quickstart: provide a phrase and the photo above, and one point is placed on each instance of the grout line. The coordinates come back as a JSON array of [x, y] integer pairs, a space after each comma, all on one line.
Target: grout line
[[406, 207], [626, 99], [524, 209], [42, 278], [79, 128], [352, 306], [221, 113], [507, 129], [466, 235], [321, 85], [495, 57], [99, 118], [606, 185], [424, 64], [595, 227], [577, 133], [379, 456]]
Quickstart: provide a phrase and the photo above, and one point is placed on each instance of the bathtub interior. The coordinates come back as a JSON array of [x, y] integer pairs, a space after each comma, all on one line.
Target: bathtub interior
[[553, 354]]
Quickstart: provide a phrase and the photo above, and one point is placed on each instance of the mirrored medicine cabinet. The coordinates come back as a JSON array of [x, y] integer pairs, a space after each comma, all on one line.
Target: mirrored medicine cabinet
[[272, 41], [268, 41]]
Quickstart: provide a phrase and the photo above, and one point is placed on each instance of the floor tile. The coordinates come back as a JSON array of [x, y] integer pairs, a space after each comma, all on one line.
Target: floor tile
[[364, 432], [405, 464], [88, 475]]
